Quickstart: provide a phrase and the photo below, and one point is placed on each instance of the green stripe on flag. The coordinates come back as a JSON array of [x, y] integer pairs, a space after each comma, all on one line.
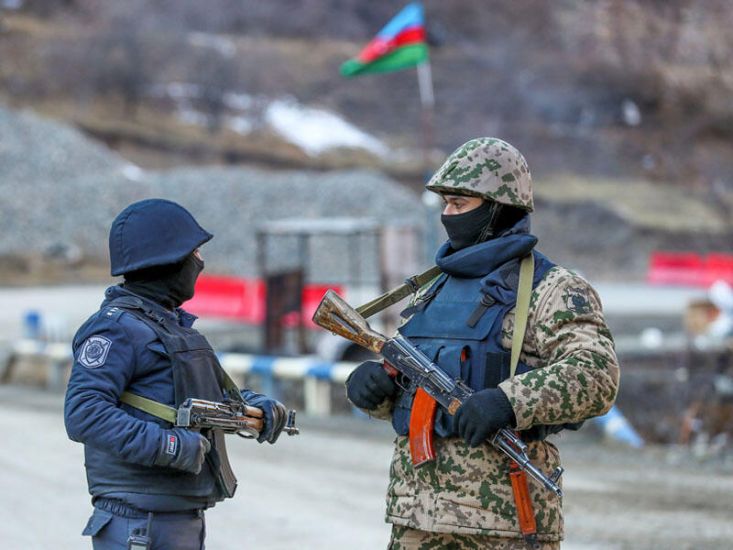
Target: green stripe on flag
[[401, 58]]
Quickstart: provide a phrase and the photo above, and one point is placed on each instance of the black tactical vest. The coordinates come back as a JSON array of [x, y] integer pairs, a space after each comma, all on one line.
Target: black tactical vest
[[196, 374]]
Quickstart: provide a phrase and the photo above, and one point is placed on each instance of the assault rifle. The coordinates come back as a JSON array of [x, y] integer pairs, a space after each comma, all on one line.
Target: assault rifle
[[335, 315], [229, 416]]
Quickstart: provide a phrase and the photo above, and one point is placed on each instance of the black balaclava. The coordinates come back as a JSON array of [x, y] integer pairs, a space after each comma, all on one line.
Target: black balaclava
[[480, 224], [168, 285]]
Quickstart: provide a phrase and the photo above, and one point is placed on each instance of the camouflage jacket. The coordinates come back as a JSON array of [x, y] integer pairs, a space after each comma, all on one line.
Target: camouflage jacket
[[574, 376]]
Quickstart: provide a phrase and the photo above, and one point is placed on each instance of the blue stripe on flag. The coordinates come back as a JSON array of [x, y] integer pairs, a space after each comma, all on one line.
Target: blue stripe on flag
[[410, 16]]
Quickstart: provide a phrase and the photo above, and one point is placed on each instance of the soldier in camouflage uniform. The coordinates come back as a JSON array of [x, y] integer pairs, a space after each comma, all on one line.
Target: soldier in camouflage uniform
[[464, 321]]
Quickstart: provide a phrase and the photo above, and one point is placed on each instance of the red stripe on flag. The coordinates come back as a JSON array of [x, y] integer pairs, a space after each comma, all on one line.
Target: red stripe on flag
[[379, 47], [410, 36]]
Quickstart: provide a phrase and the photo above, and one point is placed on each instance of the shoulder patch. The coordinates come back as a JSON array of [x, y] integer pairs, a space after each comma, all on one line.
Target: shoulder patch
[[576, 300], [94, 351]]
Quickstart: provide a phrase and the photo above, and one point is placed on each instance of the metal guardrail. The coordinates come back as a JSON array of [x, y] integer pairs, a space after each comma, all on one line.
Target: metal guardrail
[[317, 375]]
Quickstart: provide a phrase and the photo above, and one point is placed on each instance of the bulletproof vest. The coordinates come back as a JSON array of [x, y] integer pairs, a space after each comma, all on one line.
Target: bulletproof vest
[[458, 325], [196, 374]]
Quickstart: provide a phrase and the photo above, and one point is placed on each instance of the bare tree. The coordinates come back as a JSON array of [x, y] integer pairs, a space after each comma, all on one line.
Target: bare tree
[[216, 75], [48, 8]]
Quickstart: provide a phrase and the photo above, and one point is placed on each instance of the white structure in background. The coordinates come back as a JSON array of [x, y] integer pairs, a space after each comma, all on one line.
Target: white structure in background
[[615, 426], [721, 295], [630, 112]]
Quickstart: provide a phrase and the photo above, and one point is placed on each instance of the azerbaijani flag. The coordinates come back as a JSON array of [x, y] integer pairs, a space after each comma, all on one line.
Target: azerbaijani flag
[[400, 44]]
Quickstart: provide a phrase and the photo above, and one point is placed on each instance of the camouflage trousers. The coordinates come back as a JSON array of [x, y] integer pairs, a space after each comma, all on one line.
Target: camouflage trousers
[[404, 538]]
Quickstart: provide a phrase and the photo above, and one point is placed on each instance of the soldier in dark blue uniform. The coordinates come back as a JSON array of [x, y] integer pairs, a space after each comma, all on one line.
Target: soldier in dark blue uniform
[[150, 481]]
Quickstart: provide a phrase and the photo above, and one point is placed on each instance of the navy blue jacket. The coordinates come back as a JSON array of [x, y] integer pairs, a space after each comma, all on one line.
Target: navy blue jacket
[[114, 351]]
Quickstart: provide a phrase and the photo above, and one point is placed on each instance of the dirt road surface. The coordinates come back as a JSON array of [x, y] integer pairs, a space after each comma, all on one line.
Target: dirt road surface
[[325, 489]]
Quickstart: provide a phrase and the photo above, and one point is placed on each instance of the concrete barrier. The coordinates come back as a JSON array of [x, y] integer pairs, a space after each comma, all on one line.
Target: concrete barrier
[[56, 357]]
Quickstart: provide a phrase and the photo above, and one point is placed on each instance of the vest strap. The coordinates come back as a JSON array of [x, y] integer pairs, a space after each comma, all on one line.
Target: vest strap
[[154, 408], [485, 303], [521, 312], [230, 386], [520, 489], [411, 285]]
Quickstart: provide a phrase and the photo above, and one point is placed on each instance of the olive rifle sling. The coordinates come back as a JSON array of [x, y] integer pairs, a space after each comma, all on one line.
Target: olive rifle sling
[[520, 488], [521, 311], [153, 408], [410, 286]]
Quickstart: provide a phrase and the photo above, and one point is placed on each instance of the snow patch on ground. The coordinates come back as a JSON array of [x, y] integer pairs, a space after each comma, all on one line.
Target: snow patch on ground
[[133, 172], [317, 130], [312, 129], [221, 44], [239, 124]]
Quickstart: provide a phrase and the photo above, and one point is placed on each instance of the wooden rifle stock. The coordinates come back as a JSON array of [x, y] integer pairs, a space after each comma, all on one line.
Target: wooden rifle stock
[[336, 315]]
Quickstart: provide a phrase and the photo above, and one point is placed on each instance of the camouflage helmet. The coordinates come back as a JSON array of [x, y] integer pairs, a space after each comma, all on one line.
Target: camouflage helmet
[[489, 168]]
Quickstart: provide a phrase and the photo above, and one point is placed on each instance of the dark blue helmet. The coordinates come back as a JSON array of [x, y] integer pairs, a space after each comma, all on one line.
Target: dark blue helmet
[[153, 232]]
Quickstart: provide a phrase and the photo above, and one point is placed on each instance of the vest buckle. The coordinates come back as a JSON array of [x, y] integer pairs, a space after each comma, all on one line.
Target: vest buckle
[[486, 302]]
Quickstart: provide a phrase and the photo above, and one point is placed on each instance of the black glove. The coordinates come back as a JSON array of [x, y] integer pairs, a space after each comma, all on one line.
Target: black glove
[[483, 414], [182, 449], [369, 384], [276, 415]]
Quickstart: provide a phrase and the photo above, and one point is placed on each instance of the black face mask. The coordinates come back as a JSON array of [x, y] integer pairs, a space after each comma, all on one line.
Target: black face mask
[[168, 285], [466, 229]]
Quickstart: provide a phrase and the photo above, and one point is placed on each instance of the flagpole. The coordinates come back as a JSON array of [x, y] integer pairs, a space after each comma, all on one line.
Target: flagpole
[[431, 238], [427, 102]]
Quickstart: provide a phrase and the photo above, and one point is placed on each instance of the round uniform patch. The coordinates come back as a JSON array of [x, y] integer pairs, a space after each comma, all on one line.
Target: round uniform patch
[[576, 301], [94, 352]]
